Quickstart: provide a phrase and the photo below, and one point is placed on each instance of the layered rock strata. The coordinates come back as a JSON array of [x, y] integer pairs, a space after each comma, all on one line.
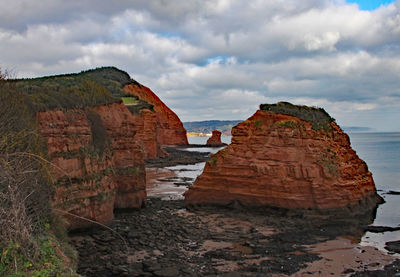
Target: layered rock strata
[[170, 130], [277, 159], [96, 162], [96, 144], [215, 139], [146, 126]]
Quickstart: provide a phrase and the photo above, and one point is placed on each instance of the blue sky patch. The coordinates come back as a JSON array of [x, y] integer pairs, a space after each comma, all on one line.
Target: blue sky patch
[[370, 5]]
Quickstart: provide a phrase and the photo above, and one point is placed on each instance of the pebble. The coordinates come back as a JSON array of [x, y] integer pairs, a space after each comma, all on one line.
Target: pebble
[[172, 245]]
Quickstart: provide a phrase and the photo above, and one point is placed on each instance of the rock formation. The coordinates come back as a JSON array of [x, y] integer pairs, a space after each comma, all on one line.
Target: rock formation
[[96, 162], [215, 139], [146, 126], [286, 156], [170, 130], [96, 144]]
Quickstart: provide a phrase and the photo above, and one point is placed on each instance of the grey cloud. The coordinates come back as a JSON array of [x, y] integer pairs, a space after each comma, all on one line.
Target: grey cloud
[[219, 59]]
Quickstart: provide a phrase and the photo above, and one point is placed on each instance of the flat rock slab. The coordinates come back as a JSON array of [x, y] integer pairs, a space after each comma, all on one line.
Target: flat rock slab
[[393, 246]]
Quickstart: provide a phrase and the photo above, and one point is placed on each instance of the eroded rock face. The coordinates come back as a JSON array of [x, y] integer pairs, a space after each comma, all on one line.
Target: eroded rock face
[[215, 139], [170, 130], [146, 125], [97, 162], [279, 160]]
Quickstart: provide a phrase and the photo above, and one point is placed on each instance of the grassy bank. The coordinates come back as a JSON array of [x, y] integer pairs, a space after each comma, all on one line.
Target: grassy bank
[[32, 239]]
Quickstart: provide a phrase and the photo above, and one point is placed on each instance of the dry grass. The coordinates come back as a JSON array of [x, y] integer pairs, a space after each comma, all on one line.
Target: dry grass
[[24, 182]]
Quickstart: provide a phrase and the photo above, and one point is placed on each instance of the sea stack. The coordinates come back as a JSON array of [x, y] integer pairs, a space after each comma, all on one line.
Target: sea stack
[[215, 139], [286, 156]]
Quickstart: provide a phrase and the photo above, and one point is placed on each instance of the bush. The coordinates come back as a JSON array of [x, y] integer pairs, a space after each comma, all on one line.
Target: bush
[[318, 117], [25, 189], [99, 134], [88, 88]]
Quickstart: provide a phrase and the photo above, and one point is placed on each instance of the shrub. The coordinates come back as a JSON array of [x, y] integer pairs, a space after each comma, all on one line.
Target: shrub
[[99, 133], [87, 88], [289, 124], [25, 189], [318, 117]]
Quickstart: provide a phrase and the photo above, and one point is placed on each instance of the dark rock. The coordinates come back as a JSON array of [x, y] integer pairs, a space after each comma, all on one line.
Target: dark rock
[[393, 246], [167, 272], [173, 235], [393, 192], [151, 266], [133, 235], [381, 229]]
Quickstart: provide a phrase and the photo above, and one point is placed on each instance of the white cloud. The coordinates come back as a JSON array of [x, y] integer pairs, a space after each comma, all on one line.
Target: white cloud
[[220, 59]]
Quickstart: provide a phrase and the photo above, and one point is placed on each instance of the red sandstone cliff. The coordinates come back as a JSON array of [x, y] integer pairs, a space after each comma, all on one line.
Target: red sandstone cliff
[[170, 130], [215, 139], [146, 125], [280, 160], [97, 145], [97, 162]]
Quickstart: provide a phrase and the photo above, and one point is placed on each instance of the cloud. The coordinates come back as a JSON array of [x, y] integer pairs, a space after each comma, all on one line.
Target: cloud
[[220, 59]]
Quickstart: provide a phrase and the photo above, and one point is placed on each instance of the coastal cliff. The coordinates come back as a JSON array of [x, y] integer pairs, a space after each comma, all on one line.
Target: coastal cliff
[[170, 130], [96, 144], [96, 162], [286, 156], [146, 125]]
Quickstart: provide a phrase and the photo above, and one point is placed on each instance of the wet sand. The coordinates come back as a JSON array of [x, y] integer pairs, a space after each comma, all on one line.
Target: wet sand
[[342, 257]]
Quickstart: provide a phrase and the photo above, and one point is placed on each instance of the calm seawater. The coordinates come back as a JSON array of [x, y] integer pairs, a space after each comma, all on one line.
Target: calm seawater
[[381, 152], [203, 140]]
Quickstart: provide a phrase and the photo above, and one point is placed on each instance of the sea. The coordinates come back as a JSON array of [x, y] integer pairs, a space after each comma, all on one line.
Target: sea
[[381, 152]]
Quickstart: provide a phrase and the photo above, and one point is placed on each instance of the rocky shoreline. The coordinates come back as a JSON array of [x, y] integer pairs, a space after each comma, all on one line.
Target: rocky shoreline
[[178, 156], [166, 239]]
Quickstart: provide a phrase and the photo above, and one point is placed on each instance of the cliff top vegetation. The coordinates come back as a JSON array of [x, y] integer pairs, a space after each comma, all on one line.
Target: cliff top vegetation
[[76, 90], [318, 117]]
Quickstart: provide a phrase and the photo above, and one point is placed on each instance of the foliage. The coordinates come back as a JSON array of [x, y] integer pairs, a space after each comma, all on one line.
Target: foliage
[[258, 124], [318, 117], [111, 78], [87, 88], [213, 160], [99, 133], [139, 105], [289, 124], [13, 262], [24, 182], [84, 93], [128, 171], [135, 105], [328, 160], [25, 188], [129, 100]]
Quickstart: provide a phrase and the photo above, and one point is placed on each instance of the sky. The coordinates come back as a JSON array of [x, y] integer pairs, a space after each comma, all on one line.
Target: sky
[[220, 59]]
